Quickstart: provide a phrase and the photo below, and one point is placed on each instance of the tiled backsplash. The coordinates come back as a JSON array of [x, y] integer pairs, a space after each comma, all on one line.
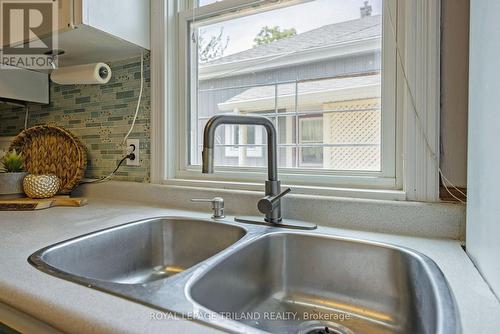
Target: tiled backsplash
[[100, 115]]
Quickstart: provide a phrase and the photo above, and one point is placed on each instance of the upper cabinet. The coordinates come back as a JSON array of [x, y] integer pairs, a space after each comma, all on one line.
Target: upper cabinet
[[100, 30], [128, 20]]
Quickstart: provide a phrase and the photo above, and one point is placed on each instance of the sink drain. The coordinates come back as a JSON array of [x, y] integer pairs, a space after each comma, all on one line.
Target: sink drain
[[321, 327], [325, 330]]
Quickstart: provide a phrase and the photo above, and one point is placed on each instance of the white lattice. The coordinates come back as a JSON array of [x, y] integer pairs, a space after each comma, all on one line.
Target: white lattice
[[352, 127], [352, 158], [352, 124]]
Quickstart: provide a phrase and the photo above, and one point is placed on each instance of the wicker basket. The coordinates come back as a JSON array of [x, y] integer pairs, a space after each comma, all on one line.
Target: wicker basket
[[52, 150]]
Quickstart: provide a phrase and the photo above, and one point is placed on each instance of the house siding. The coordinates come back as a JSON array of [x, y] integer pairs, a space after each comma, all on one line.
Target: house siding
[[213, 91]]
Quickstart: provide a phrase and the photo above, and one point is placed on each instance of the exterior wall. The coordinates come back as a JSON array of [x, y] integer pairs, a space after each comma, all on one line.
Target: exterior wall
[[215, 91], [333, 67], [100, 115]]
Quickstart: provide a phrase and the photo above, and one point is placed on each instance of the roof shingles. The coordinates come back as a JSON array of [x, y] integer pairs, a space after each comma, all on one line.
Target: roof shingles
[[329, 35]]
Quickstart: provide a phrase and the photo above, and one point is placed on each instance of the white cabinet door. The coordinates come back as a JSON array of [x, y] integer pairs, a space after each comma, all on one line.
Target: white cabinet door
[[125, 19]]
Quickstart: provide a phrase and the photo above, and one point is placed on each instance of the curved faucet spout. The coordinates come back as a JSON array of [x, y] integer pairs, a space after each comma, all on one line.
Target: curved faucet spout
[[270, 205], [209, 139]]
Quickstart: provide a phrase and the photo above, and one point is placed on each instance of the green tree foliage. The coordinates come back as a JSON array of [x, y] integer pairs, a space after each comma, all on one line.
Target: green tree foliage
[[270, 34]]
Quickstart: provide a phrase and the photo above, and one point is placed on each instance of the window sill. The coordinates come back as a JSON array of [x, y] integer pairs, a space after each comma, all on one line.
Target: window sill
[[365, 193]]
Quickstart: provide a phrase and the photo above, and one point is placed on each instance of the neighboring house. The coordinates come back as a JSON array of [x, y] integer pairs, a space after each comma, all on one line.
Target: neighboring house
[[322, 89]]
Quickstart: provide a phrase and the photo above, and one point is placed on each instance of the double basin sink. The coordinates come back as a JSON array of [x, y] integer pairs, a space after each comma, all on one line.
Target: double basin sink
[[251, 279]]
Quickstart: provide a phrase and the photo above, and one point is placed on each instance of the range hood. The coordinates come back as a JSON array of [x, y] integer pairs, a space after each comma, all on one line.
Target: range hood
[[18, 86]]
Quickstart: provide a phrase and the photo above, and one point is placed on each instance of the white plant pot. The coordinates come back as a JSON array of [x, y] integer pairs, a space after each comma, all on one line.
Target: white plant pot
[[11, 185]]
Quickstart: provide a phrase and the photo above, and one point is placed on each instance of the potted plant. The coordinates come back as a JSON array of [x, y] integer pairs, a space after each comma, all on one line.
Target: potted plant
[[11, 174]]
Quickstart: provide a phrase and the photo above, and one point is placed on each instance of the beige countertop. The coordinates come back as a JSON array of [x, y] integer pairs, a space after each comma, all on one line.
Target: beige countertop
[[72, 308]]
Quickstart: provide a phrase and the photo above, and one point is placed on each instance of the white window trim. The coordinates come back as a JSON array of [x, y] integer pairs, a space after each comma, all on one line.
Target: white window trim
[[416, 174], [419, 43]]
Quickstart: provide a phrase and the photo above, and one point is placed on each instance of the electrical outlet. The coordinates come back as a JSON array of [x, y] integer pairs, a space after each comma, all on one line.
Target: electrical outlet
[[133, 147]]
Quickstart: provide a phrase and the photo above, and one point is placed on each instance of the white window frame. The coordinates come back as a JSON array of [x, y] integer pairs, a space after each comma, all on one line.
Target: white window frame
[[413, 174]]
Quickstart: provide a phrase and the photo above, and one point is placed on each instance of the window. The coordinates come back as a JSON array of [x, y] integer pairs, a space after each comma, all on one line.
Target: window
[[318, 76], [206, 2], [331, 85], [311, 133], [247, 143], [232, 139]]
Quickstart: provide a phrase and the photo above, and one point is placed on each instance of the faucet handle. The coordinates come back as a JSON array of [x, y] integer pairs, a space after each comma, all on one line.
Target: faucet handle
[[217, 205], [268, 203]]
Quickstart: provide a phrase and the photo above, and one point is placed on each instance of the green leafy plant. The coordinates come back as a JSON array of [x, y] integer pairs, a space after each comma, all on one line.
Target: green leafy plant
[[270, 34], [12, 162]]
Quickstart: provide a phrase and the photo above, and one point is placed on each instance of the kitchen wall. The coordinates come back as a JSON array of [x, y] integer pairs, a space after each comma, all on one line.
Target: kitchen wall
[[100, 115], [483, 209]]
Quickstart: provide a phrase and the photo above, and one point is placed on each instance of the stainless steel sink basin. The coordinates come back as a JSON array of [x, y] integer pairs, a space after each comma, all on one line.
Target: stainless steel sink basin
[[318, 282], [140, 252], [244, 278]]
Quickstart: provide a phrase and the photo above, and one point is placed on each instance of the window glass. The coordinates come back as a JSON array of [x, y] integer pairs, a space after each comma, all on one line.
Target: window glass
[[207, 2], [317, 77]]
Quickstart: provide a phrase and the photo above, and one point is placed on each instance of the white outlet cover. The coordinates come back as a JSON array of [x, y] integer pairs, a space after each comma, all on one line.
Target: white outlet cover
[[130, 144]]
